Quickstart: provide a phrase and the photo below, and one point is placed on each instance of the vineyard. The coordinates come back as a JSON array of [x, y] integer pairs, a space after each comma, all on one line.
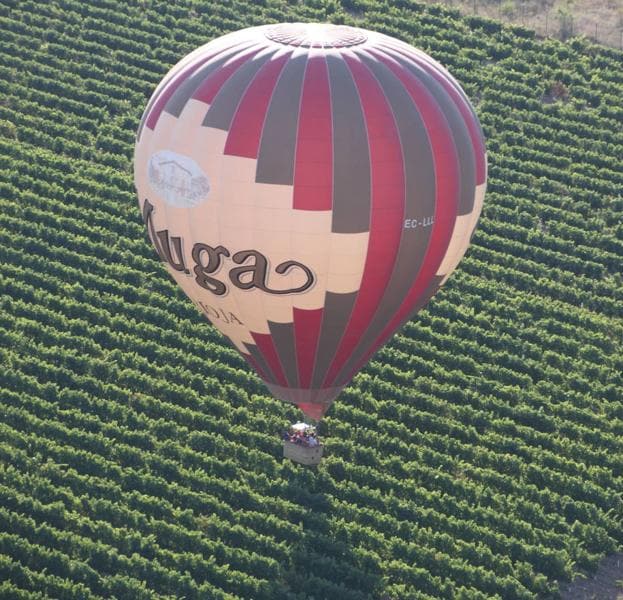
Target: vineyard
[[479, 455]]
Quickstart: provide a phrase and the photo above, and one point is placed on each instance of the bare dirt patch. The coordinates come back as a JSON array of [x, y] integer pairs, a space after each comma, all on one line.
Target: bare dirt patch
[[607, 584], [600, 20]]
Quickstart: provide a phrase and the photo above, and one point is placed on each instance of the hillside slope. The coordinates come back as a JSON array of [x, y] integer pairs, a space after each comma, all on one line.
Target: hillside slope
[[479, 455]]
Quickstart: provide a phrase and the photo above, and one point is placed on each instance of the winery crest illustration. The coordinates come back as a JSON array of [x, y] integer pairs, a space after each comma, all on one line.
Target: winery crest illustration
[[178, 179]]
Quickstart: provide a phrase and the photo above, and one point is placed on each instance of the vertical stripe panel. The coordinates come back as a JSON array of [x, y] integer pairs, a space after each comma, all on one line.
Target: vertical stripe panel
[[255, 365], [246, 127], [387, 212], [427, 282], [313, 176], [350, 197], [337, 309], [307, 331], [460, 131], [264, 368], [275, 161], [458, 97], [266, 347], [413, 124], [351, 156], [283, 339]]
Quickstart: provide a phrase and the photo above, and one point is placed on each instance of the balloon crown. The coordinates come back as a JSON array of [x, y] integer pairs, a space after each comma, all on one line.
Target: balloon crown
[[316, 35]]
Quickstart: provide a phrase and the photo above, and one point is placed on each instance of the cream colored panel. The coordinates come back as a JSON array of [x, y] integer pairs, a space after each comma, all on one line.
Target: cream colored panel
[[238, 193], [278, 309], [186, 136], [347, 262], [455, 248], [171, 134], [236, 217], [479, 199], [250, 305], [275, 245], [339, 283], [350, 243], [461, 235], [234, 241], [273, 219], [235, 232], [207, 146], [176, 135], [317, 261], [272, 196], [310, 244], [311, 221], [151, 142], [238, 168], [225, 313], [201, 223]]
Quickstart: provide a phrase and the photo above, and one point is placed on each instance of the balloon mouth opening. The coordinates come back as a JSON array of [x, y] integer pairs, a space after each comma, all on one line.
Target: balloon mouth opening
[[314, 411], [313, 402]]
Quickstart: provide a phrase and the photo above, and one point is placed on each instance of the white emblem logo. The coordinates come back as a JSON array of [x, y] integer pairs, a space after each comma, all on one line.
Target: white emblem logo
[[178, 179]]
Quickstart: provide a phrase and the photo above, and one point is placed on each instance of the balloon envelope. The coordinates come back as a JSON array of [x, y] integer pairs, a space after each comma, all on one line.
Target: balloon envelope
[[310, 187]]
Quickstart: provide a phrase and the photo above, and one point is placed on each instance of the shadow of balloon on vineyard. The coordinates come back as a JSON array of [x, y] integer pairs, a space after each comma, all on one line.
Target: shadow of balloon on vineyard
[[326, 560]]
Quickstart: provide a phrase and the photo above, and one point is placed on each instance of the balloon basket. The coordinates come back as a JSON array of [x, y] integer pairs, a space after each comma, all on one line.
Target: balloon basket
[[302, 454]]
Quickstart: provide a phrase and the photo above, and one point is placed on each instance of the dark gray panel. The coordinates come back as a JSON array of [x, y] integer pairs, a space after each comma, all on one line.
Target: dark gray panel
[[275, 162], [285, 345], [337, 311], [228, 97], [351, 153]]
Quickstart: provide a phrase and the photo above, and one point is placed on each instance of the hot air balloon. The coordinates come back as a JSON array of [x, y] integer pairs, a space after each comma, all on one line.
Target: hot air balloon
[[310, 187]]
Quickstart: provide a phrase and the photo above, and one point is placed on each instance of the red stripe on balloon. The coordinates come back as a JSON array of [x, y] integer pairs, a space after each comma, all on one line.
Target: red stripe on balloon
[[208, 89], [387, 209], [313, 170], [246, 128], [446, 179], [170, 88], [265, 344], [461, 102], [306, 331]]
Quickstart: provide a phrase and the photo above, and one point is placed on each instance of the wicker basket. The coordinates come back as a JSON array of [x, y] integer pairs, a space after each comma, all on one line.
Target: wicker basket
[[302, 454]]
